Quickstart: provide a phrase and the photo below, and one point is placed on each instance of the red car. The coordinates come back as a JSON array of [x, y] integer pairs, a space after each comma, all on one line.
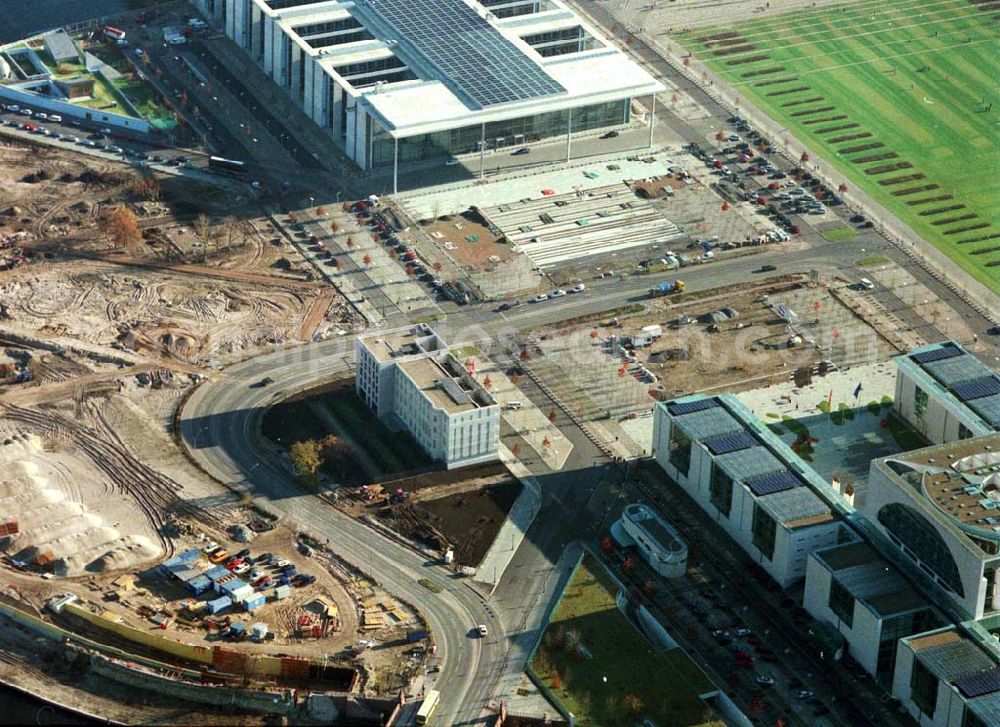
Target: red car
[[263, 582], [234, 563]]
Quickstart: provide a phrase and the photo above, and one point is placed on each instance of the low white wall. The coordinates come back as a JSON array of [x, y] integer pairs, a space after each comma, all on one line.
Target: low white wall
[[96, 116]]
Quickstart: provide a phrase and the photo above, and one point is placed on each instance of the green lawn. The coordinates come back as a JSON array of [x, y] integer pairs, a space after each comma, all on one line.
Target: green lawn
[[614, 677], [901, 95], [837, 234]]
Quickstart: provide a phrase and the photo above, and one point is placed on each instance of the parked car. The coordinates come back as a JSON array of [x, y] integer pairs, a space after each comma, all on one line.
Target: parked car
[[520, 152], [610, 134], [42, 116], [210, 547], [540, 298], [557, 293], [578, 288], [243, 553], [483, 631], [765, 680]]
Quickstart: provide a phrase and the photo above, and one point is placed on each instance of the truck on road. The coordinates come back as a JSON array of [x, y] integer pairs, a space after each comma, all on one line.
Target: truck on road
[[669, 288]]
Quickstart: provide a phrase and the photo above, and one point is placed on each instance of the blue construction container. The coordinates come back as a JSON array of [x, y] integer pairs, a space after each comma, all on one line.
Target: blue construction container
[[189, 556], [229, 587], [219, 604], [254, 602], [198, 585], [184, 573], [216, 573]]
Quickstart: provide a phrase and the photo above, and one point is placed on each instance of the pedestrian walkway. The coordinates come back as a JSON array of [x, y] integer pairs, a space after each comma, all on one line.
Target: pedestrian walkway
[[513, 686], [522, 514]]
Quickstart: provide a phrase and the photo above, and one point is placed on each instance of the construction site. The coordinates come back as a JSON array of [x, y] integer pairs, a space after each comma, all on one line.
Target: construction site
[[121, 290]]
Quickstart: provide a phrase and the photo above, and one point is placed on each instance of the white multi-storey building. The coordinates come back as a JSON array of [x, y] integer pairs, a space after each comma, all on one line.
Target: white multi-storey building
[[410, 381], [409, 80], [948, 678], [868, 601], [739, 472], [940, 507], [946, 393]]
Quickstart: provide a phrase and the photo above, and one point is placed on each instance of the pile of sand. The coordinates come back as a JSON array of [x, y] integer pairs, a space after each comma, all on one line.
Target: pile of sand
[[66, 508]]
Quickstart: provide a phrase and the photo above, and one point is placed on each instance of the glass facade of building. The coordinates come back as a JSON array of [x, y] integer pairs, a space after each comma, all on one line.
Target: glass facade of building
[[499, 134]]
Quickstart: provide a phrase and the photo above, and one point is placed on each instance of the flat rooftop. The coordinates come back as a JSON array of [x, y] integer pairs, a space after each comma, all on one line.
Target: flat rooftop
[[951, 656], [870, 579], [959, 481], [961, 377], [470, 66], [656, 527], [386, 346], [432, 379]]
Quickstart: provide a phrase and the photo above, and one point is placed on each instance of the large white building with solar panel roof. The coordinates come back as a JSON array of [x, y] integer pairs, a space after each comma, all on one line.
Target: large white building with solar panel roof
[[399, 81], [946, 393], [948, 678], [749, 481]]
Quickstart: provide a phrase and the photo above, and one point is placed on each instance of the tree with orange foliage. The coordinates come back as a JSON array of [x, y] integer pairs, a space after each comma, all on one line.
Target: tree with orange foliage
[[122, 228]]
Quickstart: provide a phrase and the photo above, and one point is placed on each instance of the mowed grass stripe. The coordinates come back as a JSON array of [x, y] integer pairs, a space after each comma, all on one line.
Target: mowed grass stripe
[[944, 138]]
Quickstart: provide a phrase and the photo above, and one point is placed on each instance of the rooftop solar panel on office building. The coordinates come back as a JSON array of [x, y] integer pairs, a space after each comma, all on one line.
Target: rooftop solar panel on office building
[[946, 350], [466, 50], [954, 370], [730, 443], [977, 388], [988, 407], [976, 685], [772, 482], [686, 407]]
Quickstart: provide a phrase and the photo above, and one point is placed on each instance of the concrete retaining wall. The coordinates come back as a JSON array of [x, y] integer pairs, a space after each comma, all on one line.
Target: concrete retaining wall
[[49, 105], [277, 702]]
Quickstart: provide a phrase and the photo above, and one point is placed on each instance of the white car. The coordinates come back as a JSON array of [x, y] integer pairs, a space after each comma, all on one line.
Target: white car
[[115, 149], [25, 112], [557, 293], [866, 284], [540, 298], [13, 108], [55, 118], [42, 116], [139, 52], [73, 139], [483, 631], [578, 288], [210, 547], [764, 680]]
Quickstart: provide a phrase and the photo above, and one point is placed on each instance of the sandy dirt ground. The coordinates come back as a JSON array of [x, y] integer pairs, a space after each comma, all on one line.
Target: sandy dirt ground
[[68, 510]]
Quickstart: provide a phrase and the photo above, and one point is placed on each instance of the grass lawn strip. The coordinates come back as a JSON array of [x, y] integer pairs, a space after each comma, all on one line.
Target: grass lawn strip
[[589, 640], [868, 59]]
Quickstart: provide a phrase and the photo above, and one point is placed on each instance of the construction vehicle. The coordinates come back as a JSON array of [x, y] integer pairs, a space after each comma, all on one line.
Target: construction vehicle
[[669, 288]]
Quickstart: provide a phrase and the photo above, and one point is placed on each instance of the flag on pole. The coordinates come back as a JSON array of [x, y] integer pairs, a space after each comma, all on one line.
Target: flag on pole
[[857, 391]]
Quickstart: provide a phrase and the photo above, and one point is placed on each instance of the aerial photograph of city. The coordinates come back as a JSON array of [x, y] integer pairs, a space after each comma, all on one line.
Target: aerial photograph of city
[[501, 363]]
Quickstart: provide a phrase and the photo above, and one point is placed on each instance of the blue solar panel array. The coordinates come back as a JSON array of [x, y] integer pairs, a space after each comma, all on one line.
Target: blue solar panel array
[[977, 388], [976, 685], [466, 50], [688, 407], [730, 443], [947, 350], [772, 482]]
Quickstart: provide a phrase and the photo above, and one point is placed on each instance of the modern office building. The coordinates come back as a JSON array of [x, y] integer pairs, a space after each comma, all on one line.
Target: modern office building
[[868, 601], [743, 475], [408, 378], [947, 678], [656, 539], [410, 80], [946, 393], [940, 507]]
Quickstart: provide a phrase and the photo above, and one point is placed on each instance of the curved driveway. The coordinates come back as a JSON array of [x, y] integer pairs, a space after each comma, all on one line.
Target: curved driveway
[[220, 426]]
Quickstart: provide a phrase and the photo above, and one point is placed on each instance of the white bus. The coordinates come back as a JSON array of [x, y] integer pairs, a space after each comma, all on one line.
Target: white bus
[[430, 703]]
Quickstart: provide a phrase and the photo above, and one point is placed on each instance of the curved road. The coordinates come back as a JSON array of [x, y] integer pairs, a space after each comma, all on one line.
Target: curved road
[[220, 426]]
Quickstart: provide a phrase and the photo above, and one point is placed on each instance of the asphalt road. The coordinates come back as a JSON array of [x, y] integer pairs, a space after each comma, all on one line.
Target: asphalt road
[[220, 425]]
